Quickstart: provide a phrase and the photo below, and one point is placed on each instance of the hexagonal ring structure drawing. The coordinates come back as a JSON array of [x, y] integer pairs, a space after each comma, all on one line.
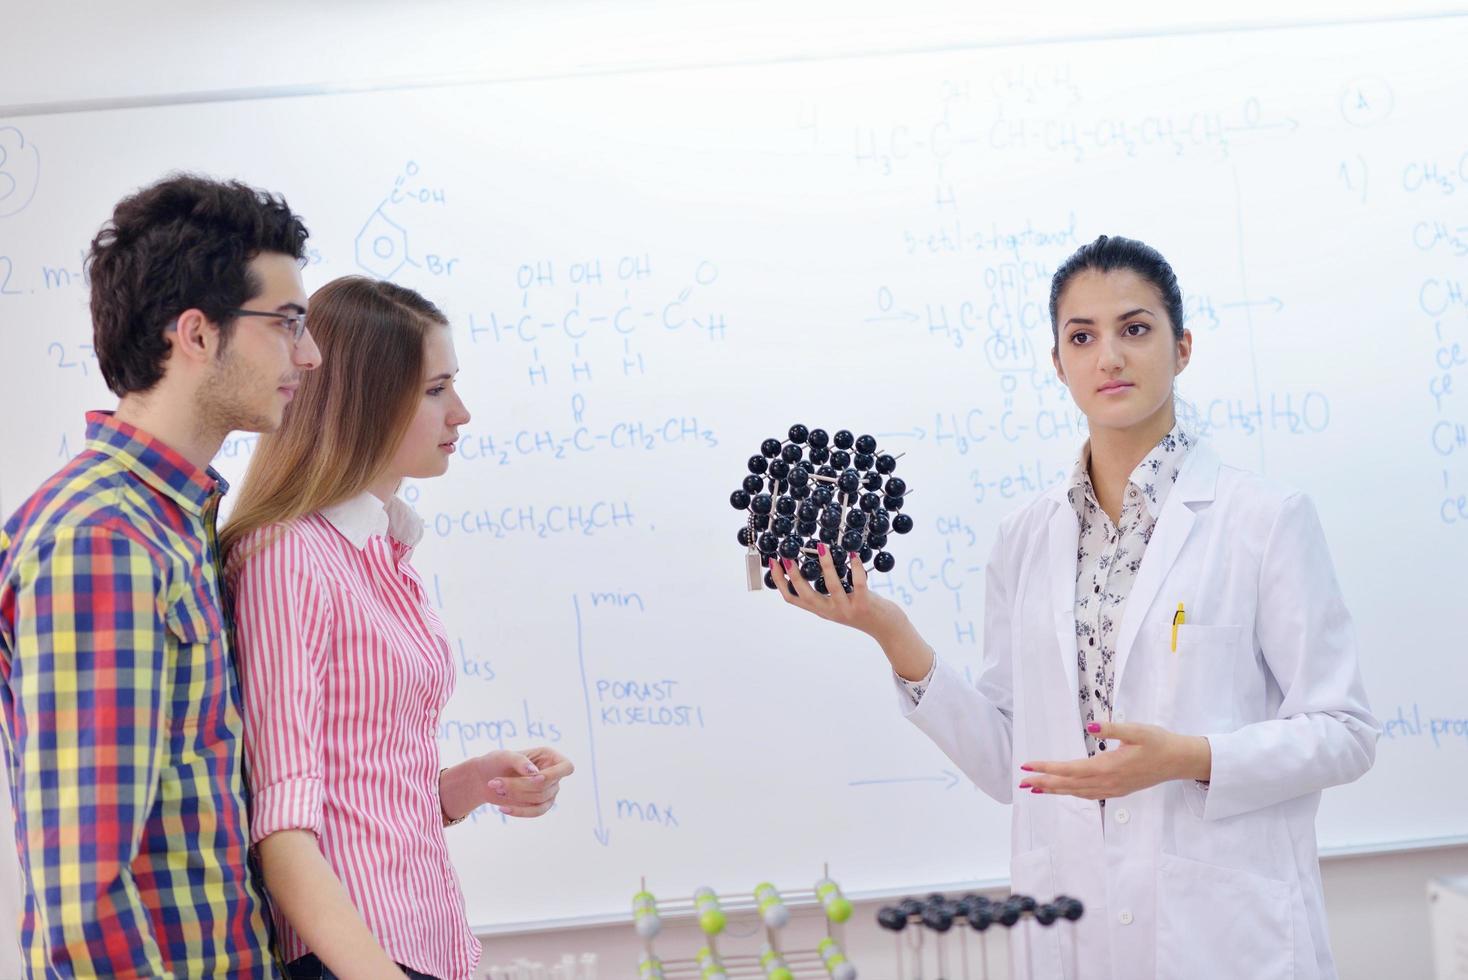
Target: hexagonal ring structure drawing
[[382, 246]]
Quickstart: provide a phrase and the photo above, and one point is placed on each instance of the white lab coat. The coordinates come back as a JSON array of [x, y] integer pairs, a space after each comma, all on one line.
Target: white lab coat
[[1182, 882]]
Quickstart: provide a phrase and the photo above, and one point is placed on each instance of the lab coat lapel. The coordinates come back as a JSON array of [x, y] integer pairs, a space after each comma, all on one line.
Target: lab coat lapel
[[1195, 484], [1064, 540]]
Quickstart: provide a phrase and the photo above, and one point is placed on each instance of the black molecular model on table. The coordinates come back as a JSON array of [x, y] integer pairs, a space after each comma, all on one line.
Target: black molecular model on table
[[815, 488], [943, 917]]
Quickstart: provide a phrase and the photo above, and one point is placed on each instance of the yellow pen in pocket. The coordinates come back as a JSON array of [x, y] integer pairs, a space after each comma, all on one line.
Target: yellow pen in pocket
[[1179, 618]]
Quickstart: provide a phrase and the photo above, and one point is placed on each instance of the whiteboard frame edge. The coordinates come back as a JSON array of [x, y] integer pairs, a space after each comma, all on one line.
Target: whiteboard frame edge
[[465, 79]]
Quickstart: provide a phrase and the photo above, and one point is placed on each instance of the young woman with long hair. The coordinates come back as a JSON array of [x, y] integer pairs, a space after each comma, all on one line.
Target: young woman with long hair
[[345, 666]]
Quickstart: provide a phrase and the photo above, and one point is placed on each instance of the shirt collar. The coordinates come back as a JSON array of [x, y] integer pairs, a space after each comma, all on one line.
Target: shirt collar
[[1152, 479], [365, 516], [155, 463]]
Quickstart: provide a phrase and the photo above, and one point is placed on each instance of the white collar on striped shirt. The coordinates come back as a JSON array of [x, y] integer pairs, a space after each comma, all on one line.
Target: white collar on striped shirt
[[365, 516]]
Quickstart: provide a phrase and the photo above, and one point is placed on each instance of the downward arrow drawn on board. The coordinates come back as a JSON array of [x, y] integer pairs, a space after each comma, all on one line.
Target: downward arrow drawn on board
[[602, 834], [948, 777], [1274, 302]]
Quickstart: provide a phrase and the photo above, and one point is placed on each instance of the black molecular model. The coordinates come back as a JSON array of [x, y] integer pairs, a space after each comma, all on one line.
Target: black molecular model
[[940, 913], [816, 488], [947, 922]]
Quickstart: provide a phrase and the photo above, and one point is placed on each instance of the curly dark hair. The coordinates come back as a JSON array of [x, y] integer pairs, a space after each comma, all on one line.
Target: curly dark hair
[[183, 243]]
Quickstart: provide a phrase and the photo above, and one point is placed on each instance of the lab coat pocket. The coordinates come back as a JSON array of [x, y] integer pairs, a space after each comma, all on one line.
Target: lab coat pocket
[[1200, 680], [1032, 945], [1221, 922]]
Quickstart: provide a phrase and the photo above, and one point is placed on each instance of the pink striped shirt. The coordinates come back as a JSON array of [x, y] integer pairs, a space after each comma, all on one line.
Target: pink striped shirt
[[345, 670]]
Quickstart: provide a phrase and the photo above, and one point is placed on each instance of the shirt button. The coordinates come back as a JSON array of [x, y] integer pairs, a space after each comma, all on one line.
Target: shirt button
[[1122, 816], [1125, 918]]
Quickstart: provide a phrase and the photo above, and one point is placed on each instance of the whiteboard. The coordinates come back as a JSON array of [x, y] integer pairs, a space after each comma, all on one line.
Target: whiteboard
[[650, 272]]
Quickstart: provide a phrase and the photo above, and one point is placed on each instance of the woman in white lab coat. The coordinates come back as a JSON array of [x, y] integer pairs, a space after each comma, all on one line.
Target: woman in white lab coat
[[1170, 674]]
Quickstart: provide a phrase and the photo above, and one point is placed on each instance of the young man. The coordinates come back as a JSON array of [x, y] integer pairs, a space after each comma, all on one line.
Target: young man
[[123, 726]]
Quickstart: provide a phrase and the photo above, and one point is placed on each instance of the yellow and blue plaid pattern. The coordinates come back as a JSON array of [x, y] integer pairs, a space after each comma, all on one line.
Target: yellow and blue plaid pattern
[[123, 725]]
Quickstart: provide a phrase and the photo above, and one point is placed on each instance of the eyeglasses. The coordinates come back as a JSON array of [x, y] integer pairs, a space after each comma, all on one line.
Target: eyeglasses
[[294, 323]]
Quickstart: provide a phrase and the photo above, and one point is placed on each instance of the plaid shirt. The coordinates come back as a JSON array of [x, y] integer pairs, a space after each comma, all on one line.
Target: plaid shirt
[[123, 723]]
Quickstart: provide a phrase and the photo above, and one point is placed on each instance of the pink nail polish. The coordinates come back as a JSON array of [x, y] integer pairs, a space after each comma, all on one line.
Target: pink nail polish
[[1024, 785], [821, 548], [1027, 768], [851, 555], [1093, 728], [1037, 790], [787, 563]]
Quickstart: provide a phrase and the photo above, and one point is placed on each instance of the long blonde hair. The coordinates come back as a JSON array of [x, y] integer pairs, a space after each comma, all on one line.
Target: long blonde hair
[[349, 415]]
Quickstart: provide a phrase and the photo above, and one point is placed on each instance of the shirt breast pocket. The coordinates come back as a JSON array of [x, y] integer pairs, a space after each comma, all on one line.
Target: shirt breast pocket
[[202, 694], [1201, 680], [192, 615]]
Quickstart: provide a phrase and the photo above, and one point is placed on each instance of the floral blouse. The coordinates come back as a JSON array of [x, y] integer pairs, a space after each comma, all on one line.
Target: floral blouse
[[1107, 562], [1106, 566]]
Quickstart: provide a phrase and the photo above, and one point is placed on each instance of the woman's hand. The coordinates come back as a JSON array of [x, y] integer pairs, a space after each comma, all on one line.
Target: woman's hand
[[1145, 756], [861, 609], [523, 785], [517, 784]]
